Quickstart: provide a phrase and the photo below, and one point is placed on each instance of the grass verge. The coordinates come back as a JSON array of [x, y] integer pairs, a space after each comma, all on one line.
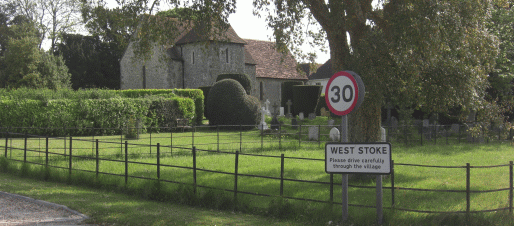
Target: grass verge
[[110, 208]]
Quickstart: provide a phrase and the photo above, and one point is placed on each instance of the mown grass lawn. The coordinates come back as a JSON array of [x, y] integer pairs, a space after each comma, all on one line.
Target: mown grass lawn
[[111, 208], [264, 161]]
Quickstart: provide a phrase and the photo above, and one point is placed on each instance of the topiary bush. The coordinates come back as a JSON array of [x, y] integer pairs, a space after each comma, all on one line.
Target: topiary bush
[[229, 104], [243, 79]]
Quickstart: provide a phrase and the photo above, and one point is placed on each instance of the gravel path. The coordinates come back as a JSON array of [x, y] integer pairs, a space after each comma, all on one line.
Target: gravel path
[[21, 210]]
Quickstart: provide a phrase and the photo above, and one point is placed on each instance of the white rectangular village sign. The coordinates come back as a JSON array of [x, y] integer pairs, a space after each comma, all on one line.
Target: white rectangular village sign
[[370, 158]]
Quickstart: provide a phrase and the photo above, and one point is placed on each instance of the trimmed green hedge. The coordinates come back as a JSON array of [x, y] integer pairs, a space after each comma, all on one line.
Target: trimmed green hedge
[[112, 115], [46, 95]]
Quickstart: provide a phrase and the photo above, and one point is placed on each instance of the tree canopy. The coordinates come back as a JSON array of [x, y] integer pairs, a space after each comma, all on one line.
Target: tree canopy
[[430, 55]]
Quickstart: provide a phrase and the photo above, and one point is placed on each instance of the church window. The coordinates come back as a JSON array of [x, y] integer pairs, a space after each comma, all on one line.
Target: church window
[[193, 58], [226, 55], [144, 77], [261, 88]]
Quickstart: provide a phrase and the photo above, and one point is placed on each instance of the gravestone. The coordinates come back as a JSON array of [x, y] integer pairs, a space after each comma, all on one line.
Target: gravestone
[[455, 128], [262, 124], [312, 116], [294, 123], [275, 124], [313, 133], [426, 122], [281, 111], [394, 123], [330, 122], [383, 134], [267, 107], [289, 103], [301, 116], [324, 112], [335, 135]]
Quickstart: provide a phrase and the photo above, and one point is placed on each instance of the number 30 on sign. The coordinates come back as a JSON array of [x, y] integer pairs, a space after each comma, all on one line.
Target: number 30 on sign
[[343, 93]]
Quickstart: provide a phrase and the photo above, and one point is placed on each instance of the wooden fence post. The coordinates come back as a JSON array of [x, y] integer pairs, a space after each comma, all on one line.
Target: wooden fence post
[[194, 170], [71, 155], [331, 189], [511, 192], [240, 138], [392, 183], [25, 149], [279, 136], [126, 163], [158, 161], [300, 136], [468, 190], [262, 139], [193, 140], [6, 143], [97, 159], [46, 152], [236, 166], [282, 175]]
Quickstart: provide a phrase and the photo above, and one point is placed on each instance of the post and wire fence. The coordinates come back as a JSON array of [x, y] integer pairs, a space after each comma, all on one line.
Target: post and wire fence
[[191, 163]]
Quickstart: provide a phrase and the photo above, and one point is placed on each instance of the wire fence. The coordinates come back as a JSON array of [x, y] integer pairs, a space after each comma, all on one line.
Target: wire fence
[[69, 154]]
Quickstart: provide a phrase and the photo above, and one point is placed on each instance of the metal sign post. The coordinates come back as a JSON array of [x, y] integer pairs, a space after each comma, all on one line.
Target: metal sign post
[[344, 93], [344, 139]]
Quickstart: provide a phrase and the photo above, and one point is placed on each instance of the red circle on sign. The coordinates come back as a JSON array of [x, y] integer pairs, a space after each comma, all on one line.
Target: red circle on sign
[[338, 83]]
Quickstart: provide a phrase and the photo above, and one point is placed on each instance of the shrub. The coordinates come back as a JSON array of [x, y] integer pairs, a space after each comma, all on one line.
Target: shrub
[[243, 79], [197, 96], [205, 90], [305, 98], [287, 93], [321, 104], [229, 104]]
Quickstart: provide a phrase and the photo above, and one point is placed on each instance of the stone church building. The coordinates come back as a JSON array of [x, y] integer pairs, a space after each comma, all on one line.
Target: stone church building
[[194, 61]]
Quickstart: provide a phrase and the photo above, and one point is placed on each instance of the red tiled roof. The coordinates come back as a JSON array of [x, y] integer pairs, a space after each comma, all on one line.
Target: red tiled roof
[[271, 63], [197, 34]]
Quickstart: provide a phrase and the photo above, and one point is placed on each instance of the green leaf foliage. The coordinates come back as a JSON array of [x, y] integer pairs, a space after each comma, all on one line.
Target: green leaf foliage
[[243, 79], [47, 112], [229, 104]]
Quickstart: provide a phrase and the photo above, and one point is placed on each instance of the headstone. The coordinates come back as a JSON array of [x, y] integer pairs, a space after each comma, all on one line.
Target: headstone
[[335, 135], [275, 109], [289, 103], [394, 123], [455, 128], [267, 107], [275, 124], [262, 124], [281, 111], [324, 112], [313, 133], [294, 123], [426, 122], [383, 134], [330, 122], [312, 116], [301, 116]]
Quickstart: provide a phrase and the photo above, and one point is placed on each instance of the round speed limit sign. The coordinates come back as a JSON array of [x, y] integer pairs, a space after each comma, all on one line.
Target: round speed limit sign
[[344, 92]]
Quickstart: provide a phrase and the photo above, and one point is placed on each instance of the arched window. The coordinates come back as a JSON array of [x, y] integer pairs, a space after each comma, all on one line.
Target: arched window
[[261, 87], [226, 55], [144, 77]]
